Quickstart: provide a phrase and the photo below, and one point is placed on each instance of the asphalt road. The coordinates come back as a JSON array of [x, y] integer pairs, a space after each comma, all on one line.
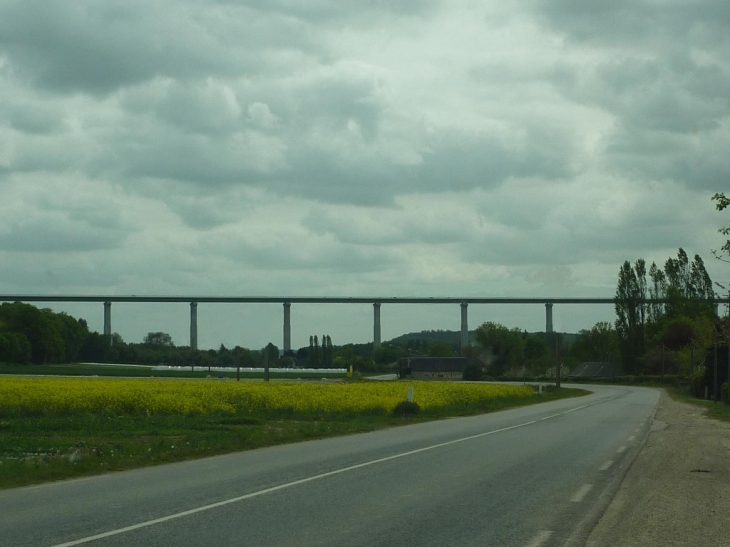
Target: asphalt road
[[535, 476]]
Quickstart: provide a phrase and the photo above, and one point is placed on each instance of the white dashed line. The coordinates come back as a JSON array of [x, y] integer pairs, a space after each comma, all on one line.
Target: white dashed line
[[632, 438], [580, 494], [540, 539], [620, 449], [606, 465]]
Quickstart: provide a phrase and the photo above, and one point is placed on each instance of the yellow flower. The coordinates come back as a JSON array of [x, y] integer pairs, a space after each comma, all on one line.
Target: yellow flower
[[159, 396]]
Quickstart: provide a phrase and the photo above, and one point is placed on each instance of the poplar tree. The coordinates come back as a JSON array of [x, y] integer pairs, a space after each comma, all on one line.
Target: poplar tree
[[723, 203]]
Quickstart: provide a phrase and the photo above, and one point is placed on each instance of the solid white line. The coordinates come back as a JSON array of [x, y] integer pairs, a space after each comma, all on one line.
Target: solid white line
[[620, 449], [631, 438], [540, 539], [306, 480], [606, 465], [580, 494]]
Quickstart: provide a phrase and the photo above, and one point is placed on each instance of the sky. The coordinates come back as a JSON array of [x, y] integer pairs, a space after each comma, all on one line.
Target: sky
[[342, 148]]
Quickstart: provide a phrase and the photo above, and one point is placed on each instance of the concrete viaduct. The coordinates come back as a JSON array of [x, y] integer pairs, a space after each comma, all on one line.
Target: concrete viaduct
[[288, 301]]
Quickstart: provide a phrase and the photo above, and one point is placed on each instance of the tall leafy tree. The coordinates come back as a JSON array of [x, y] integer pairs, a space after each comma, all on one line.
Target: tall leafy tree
[[158, 339], [689, 287], [506, 346], [314, 356], [657, 291], [631, 312], [600, 343], [683, 289], [723, 202], [538, 355]]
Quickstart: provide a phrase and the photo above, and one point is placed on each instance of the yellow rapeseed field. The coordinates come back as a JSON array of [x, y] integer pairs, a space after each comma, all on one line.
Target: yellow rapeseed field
[[77, 395]]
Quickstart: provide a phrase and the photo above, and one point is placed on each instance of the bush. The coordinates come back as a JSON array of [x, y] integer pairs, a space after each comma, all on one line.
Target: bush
[[405, 408]]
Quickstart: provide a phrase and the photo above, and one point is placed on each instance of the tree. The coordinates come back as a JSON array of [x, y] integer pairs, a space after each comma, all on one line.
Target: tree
[[327, 351], [440, 349], [538, 355], [506, 347], [683, 289], [14, 348], [158, 339], [41, 329], [723, 203], [74, 332], [600, 343], [314, 353], [244, 357], [688, 287], [386, 354], [272, 352], [657, 291], [631, 312]]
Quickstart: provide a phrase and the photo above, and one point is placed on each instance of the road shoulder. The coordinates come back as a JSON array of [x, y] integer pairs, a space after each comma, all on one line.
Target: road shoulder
[[677, 491]]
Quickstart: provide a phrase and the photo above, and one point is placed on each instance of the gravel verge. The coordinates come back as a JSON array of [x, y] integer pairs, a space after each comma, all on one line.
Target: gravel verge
[[677, 491]]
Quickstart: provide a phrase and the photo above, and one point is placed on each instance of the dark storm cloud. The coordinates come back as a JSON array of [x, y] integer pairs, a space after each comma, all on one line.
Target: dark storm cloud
[[651, 94], [632, 22], [96, 48]]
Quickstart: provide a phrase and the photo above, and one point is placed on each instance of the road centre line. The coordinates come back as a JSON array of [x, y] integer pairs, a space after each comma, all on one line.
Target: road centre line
[[581, 493], [305, 480], [540, 539], [631, 438], [606, 465], [620, 449]]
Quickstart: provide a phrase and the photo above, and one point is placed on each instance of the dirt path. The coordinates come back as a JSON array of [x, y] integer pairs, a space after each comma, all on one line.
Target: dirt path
[[677, 492]]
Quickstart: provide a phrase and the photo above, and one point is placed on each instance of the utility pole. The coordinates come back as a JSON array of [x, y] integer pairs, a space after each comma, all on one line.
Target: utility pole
[[266, 363], [727, 341], [715, 342], [557, 360]]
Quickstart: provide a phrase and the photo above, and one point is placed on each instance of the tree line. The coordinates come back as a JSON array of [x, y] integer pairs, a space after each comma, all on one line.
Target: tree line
[[665, 318]]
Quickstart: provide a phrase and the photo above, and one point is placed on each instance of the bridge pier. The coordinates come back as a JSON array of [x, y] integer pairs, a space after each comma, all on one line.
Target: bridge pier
[[193, 326], [464, 327], [376, 325], [108, 321], [287, 326], [549, 317]]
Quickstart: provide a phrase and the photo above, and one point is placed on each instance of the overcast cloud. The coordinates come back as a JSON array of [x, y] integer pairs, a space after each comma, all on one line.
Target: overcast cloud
[[400, 148]]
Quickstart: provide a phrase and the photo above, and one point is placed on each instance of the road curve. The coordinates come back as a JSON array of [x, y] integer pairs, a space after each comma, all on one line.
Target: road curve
[[535, 477]]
